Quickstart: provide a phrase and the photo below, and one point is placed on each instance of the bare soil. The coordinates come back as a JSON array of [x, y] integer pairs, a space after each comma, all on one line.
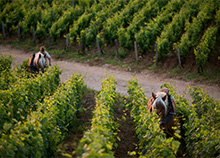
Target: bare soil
[[150, 81], [81, 124], [128, 140]]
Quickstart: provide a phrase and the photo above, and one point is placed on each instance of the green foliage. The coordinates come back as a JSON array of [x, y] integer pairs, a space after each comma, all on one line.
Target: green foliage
[[45, 127], [99, 140], [120, 20], [10, 77], [171, 24], [194, 29], [84, 20], [202, 136], [21, 97], [24, 65], [3, 4], [149, 32], [152, 140], [6, 73], [47, 19], [206, 45], [5, 62], [12, 14], [149, 11], [218, 19], [199, 123], [56, 18], [89, 34], [173, 30], [6, 79], [61, 26], [32, 17]]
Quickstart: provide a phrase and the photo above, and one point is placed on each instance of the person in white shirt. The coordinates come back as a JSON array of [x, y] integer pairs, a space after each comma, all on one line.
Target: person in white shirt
[[47, 55]]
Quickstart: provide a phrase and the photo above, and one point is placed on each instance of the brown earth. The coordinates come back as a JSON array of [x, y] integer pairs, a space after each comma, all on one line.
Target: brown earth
[[75, 131], [127, 142]]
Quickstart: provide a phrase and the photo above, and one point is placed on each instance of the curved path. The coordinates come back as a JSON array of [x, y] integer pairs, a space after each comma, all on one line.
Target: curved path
[[150, 81]]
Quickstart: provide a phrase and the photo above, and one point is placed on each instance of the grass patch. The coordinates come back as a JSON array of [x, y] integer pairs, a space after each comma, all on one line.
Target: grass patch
[[174, 71], [112, 62]]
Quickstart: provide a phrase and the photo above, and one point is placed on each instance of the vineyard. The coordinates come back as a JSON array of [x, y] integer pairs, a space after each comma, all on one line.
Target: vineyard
[[169, 27], [38, 112]]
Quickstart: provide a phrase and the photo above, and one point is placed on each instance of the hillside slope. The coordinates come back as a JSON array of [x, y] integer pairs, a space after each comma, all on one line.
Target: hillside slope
[[190, 26]]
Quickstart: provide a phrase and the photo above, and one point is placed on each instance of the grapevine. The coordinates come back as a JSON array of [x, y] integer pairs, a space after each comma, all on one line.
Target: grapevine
[[149, 11], [89, 34], [45, 127], [20, 99], [193, 30], [121, 19], [99, 140], [147, 126], [148, 34], [203, 134], [205, 46], [172, 31]]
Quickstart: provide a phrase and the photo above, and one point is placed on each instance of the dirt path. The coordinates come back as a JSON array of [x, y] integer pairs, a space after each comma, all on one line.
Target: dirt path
[[150, 81]]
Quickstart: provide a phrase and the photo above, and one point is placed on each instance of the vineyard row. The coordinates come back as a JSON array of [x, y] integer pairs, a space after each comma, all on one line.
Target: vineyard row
[[192, 26], [36, 115]]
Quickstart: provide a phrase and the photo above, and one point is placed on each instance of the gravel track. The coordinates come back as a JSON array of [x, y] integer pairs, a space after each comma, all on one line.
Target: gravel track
[[150, 81]]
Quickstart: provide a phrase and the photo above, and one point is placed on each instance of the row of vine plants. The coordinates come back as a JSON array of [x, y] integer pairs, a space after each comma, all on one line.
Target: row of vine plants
[[20, 99], [36, 117], [190, 26], [203, 128], [100, 139], [22, 95], [45, 127], [152, 140], [197, 128], [199, 123]]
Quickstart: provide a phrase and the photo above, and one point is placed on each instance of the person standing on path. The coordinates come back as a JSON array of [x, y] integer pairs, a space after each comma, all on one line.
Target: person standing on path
[[46, 54]]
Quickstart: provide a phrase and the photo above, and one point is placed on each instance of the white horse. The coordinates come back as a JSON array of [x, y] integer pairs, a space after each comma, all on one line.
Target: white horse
[[160, 99], [37, 62], [160, 102]]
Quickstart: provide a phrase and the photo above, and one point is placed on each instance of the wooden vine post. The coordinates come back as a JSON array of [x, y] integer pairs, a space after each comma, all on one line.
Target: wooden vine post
[[116, 43], [179, 59], [67, 41], [156, 54], [19, 32], [49, 39], [135, 50], [34, 37], [3, 30], [73, 3], [82, 49], [98, 46]]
